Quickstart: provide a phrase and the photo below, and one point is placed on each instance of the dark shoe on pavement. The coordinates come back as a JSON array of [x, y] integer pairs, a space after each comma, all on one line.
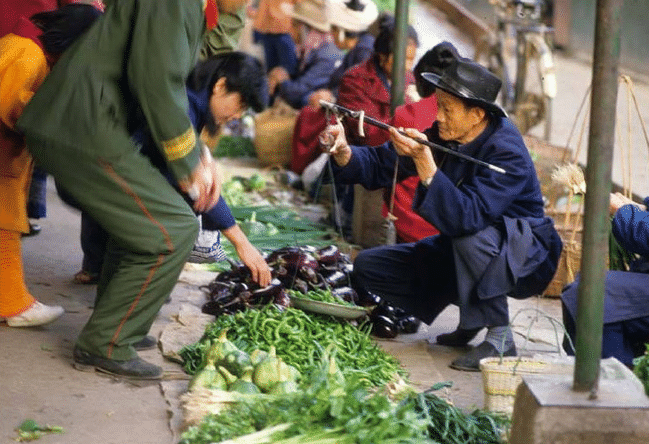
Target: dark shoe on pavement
[[470, 362], [458, 338], [133, 368], [146, 343]]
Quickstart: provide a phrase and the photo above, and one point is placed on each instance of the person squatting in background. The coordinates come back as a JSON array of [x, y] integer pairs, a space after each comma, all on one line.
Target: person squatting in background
[[368, 87], [350, 21], [318, 56], [626, 293]]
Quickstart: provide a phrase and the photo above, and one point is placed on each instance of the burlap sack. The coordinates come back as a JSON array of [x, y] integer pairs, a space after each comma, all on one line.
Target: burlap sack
[[273, 134]]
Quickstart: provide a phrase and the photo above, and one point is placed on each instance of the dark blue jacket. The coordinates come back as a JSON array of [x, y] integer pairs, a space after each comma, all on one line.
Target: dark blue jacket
[[362, 51], [313, 74], [626, 292]]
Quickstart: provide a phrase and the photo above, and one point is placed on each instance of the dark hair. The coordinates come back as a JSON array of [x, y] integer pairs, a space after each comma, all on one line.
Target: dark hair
[[435, 59], [385, 40], [63, 26], [243, 74]]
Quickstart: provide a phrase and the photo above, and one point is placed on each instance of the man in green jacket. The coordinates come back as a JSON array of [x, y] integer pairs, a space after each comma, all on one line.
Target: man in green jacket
[[128, 71]]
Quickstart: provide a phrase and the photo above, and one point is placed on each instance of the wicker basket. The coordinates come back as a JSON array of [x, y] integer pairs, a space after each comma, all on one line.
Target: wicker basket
[[274, 134], [569, 225], [501, 378], [567, 268]]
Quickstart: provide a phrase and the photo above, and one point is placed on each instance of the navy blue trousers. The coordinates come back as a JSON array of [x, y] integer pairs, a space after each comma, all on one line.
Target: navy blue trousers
[[623, 340], [422, 278]]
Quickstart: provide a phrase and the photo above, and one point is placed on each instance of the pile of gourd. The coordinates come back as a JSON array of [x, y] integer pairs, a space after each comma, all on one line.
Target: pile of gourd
[[228, 368]]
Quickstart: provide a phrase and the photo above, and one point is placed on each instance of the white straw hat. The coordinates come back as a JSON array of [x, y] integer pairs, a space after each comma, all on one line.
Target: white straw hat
[[352, 15], [312, 12]]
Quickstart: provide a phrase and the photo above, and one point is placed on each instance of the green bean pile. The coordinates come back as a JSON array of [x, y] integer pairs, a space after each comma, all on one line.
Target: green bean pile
[[300, 340], [320, 295]]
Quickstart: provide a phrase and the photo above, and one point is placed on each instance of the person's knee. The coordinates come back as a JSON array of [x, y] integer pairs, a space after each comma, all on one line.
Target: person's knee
[[363, 262]]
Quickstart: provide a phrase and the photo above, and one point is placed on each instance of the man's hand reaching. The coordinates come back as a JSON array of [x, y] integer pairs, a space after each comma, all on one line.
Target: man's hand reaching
[[204, 185]]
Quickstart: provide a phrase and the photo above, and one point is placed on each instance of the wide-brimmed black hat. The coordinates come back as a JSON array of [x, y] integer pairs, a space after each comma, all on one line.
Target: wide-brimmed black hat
[[466, 79]]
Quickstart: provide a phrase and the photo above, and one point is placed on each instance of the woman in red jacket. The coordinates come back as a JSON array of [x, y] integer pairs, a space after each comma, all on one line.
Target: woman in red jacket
[[367, 86]]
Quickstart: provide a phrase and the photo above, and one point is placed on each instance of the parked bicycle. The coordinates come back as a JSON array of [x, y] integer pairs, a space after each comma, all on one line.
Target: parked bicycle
[[520, 49]]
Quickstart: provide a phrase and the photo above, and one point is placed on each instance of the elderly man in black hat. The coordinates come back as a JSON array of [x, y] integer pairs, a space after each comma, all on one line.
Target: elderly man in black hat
[[495, 241]]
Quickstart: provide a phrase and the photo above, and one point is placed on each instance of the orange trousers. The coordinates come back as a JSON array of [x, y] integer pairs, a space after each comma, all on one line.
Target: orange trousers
[[14, 297]]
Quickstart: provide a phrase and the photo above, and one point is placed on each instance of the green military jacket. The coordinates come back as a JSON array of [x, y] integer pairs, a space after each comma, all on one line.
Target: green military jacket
[[131, 63]]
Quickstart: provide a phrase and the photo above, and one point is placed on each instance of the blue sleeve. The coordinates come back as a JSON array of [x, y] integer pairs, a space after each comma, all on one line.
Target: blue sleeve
[[631, 229], [373, 167], [316, 75], [219, 217], [468, 205]]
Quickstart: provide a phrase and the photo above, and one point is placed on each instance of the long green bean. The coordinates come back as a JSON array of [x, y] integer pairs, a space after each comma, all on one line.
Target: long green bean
[[299, 339]]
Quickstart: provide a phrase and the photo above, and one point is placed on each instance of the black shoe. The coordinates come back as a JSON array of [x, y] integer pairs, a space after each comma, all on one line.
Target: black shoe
[[458, 338], [133, 368], [470, 362], [146, 343]]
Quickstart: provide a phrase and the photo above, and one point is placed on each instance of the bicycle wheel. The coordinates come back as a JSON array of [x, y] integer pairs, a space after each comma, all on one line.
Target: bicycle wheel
[[489, 54], [542, 80]]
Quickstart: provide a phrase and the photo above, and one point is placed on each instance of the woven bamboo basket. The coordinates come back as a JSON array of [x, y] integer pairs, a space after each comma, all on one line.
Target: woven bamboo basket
[[502, 376], [570, 230], [274, 134], [568, 221]]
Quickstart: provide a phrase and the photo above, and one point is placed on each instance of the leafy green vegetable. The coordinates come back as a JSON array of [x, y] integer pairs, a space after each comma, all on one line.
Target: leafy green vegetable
[[256, 182], [331, 409], [449, 424], [641, 369], [29, 430], [235, 146], [618, 257]]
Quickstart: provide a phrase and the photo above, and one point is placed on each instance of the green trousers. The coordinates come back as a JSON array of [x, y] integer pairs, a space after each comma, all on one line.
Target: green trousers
[[151, 233]]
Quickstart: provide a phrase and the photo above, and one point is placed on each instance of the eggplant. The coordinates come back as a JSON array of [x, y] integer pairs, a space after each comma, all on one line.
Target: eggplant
[[293, 259], [337, 279], [299, 285], [347, 294], [329, 255], [267, 294], [408, 324], [366, 298], [282, 299], [275, 255], [309, 274], [212, 308], [386, 310], [384, 327]]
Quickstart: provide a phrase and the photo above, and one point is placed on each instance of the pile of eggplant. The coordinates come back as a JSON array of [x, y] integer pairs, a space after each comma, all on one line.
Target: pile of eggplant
[[303, 268]]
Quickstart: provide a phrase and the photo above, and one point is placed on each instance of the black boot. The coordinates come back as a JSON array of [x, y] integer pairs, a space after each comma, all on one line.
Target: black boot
[[133, 368], [470, 362]]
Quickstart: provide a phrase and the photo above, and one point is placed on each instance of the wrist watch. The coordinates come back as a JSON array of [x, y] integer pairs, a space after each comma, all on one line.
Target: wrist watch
[[426, 182]]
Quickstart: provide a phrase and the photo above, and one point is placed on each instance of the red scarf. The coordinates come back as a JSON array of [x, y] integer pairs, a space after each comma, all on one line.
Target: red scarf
[[211, 14]]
